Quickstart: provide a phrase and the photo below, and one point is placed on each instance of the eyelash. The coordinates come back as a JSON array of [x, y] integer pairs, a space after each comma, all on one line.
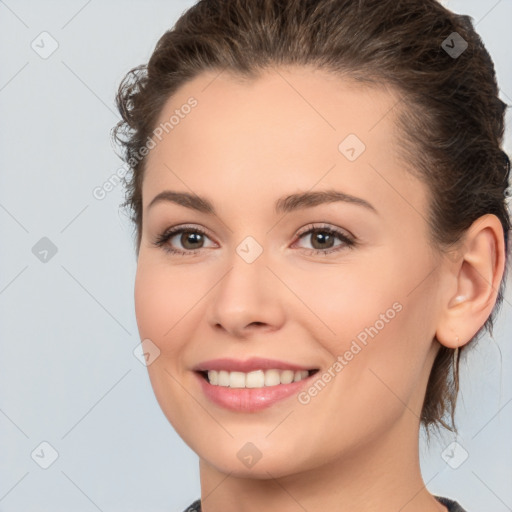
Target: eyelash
[[162, 239]]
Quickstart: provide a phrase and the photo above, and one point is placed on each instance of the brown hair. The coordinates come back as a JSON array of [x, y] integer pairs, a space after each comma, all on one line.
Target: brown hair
[[451, 119]]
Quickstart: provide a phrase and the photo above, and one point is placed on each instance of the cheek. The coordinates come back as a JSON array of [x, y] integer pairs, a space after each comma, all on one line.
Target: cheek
[[380, 333], [343, 302], [163, 299], [150, 302]]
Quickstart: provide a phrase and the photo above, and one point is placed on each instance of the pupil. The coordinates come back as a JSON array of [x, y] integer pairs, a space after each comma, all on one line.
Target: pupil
[[323, 237], [191, 237]]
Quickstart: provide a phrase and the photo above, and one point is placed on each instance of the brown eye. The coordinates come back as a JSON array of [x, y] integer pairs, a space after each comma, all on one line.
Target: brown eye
[[323, 240], [190, 239], [183, 240]]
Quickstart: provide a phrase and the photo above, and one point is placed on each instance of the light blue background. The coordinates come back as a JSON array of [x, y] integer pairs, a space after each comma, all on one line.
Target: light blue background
[[68, 375]]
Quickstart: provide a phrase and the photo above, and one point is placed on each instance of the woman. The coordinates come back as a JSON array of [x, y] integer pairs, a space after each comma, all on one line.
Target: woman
[[260, 132]]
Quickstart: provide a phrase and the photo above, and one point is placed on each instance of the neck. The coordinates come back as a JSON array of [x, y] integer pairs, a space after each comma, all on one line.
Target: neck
[[384, 476]]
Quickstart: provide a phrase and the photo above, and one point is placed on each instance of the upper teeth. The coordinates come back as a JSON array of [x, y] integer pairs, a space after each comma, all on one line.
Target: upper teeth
[[255, 379]]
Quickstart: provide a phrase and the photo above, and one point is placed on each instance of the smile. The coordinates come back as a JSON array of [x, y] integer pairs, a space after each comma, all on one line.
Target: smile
[[249, 392], [255, 379]]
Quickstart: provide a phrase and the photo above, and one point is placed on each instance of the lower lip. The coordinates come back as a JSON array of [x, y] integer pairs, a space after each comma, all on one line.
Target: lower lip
[[249, 399]]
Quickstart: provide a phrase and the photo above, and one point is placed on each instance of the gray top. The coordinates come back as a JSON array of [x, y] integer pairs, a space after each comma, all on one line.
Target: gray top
[[451, 505]]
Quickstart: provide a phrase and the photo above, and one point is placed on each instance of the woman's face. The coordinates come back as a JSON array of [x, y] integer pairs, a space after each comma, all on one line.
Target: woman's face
[[361, 310]]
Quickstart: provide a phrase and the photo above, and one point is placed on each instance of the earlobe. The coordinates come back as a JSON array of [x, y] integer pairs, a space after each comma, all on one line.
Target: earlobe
[[475, 278]]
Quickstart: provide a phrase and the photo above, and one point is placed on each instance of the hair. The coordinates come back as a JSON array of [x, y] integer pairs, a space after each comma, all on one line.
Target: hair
[[450, 118]]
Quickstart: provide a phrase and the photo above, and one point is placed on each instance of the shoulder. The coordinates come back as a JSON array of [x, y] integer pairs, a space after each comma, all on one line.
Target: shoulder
[[451, 505], [195, 507]]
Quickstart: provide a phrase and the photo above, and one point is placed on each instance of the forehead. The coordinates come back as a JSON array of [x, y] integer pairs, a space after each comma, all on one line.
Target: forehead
[[279, 105], [287, 128]]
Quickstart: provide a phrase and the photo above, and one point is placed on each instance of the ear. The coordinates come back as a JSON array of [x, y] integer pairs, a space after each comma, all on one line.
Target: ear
[[474, 278]]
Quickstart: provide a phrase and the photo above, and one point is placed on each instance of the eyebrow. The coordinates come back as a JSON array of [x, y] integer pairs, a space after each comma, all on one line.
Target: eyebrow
[[284, 204]]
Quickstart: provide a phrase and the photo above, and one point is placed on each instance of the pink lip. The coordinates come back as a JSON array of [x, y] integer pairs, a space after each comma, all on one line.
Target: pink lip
[[249, 365], [249, 399]]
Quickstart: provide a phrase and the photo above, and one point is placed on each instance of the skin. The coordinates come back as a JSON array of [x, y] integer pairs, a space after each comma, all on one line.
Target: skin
[[354, 446]]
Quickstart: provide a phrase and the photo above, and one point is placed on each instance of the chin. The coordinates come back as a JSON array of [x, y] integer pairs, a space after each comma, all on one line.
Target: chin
[[263, 469]]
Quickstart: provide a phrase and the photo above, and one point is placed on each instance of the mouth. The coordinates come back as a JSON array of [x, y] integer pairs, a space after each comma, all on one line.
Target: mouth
[[252, 391], [261, 378], [252, 384]]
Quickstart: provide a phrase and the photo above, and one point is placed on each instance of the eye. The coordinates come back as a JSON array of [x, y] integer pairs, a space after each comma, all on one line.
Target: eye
[[323, 239], [192, 240], [190, 237]]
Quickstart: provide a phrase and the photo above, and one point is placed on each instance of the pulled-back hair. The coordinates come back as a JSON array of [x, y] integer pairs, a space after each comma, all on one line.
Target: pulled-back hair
[[450, 118]]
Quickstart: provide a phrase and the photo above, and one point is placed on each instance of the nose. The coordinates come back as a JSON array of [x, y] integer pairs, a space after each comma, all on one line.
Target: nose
[[247, 299]]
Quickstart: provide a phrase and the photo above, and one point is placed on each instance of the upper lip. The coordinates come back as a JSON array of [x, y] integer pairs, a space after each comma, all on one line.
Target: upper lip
[[247, 365]]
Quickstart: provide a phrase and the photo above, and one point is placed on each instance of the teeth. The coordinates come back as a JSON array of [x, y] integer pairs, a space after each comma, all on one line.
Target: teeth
[[223, 378], [255, 379], [236, 380], [272, 378]]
